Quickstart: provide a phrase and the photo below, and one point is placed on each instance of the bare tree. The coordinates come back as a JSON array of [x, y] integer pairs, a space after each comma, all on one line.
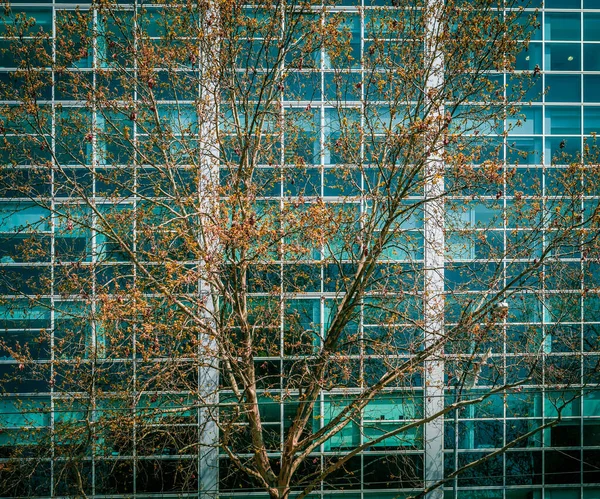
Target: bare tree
[[263, 243]]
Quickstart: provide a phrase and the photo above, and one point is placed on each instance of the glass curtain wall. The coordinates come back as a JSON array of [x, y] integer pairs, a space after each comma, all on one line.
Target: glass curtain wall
[[45, 307]]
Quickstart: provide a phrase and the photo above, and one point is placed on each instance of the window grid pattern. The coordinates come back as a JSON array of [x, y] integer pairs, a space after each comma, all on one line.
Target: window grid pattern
[[561, 462]]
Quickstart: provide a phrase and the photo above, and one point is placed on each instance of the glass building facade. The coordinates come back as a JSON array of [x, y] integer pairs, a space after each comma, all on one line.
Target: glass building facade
[[548, 334]]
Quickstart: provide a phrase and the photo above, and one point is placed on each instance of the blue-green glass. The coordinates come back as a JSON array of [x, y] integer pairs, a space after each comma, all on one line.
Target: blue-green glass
[[572, 474], [301, 86], [342, 87], [524, 404], [349, 27], [524, 150], [591, 492], [341, 181], [563, 88], [480, 434], [562, 26], [530, 57], [591, 57], [524, 493], [562, 4], [24, 412], [561, 150], [562, 57], [563, 120], [524, 90], [349, 436], [19, 217], [591, 26], [591, 307], [524, 308], [527, 122], [591, 88], [591, 119], [305, 314], [17, 23], [591, 403], [532, 22]]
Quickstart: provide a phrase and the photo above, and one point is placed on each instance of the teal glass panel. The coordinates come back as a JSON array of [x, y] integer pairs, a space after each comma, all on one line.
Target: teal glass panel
[[24, 412], [480, 434], [591, 25], [302, 182], [374, 495], [299, 57], [302, 321], [26, 21], [525, 180], [342, 87], [19, 314], [349, 28], [524, 338], [302, 86], [373, 431], [523, 404], [527, 122], [113, 48], [524, 90], [567, 401], [591, 57], [524, 308], [528, 4], [562, 4], [530, 57], [20, 217], [591, 403], [73, 136], [349, 436], [564, 120], [563, 88], [591, 119], [302, 136], [562, 57], [524, 493], [532, 21], [404, 246], [524, 468], [563, 26], [72, 330], [341, 182], [562, 151], [591, 88], [524, 150], [591, 307], [71, 48], [27, 53]]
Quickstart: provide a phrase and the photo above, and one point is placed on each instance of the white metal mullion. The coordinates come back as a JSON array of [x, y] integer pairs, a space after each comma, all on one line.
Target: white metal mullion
[[322, 248], [94, 243], [543, 300], [208, 374], [362, 211], [134, 247], [281, 247], [581, 265], [504, 261], [434, 254], [53, 221]]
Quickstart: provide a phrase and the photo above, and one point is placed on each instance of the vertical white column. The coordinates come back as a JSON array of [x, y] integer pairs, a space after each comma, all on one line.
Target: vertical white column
[[433, 296], [208, 372]]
